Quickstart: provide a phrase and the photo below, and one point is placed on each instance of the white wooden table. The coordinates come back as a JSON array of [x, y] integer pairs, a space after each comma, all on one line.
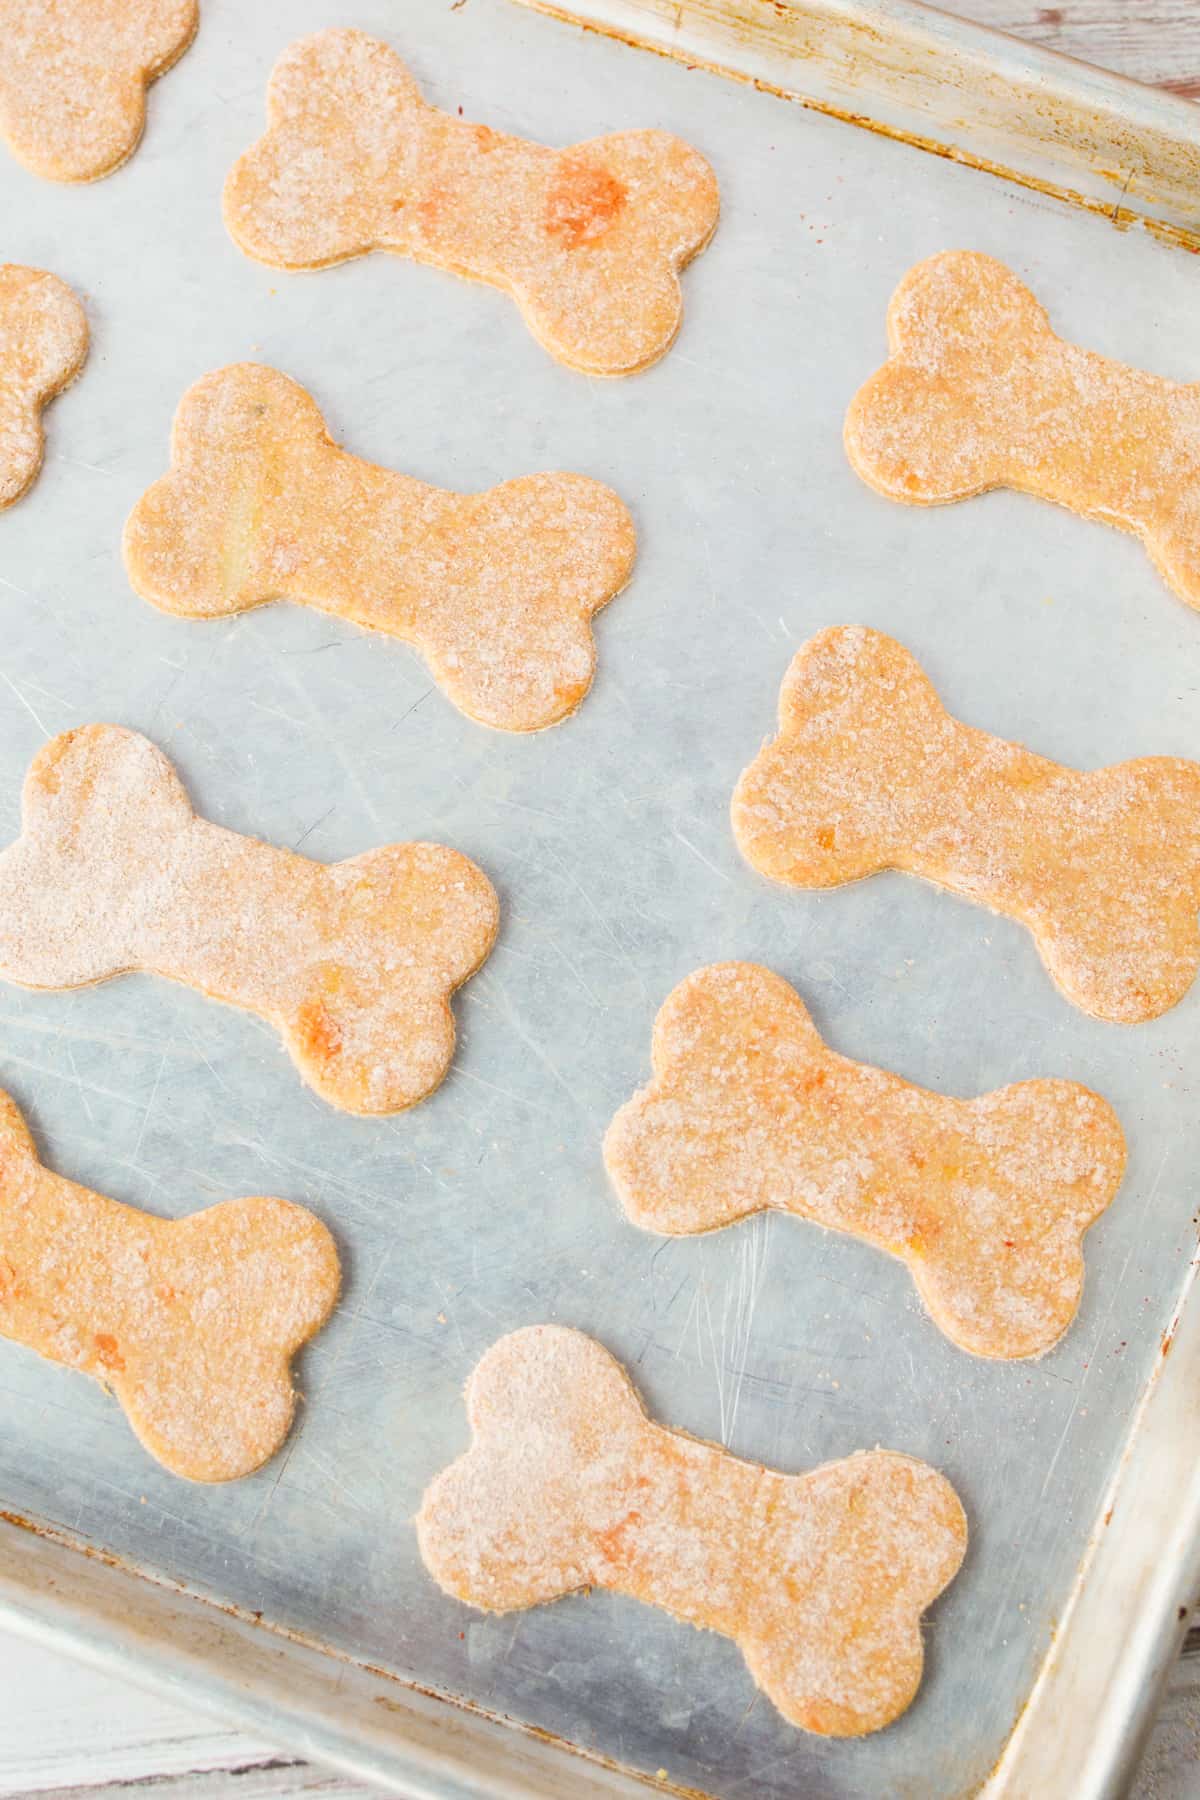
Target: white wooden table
[[65, 1730]]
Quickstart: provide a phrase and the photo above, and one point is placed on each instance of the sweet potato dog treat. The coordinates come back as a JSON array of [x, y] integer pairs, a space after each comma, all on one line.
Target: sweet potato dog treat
[[191, 1323], [43, 342], [978, 393], [73, 78], [354, 962], [589, 241], [986, 1200], [869, 772], [820, 1579], [496, 589]]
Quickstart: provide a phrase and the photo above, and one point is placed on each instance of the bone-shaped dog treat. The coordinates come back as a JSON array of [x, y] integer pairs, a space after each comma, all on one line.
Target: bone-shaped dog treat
[[820, 1579], [496, 589], [978, 393], [869, 772], [43, 342], [589, 241], [192, 1323], [986, 1200], [354, 962], [73, 78]]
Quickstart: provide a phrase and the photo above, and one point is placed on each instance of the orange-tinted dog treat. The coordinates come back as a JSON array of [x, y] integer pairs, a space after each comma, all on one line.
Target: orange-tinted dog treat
[[978, 393], [354, 962], [870, 772], [589, 241], [496, 589], [820, 1579], [985, 1200], [191, 1323]]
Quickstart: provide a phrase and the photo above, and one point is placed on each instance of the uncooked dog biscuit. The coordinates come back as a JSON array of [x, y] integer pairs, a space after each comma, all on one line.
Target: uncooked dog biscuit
[[820, 1579], [869, 772], [354, 962], [73, 78], [496, 589], [43, 342], [978, 393], [191, 1323], [985, 1200], [589, 241]]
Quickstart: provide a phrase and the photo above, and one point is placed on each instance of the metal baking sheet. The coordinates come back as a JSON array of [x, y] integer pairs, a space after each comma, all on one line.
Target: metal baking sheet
[[487, 1207]]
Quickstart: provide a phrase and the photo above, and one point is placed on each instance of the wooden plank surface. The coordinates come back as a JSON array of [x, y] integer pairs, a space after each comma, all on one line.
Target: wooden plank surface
[[67, 1731], [1153, 40]]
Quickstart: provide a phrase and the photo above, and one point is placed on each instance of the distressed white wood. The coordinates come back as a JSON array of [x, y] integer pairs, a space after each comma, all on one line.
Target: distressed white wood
[[1152, 40]]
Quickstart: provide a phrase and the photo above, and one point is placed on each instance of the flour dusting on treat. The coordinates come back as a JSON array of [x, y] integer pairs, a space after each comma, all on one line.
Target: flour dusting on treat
[[73, 78], [191, 1323], [43, 343], [589, 241], [497, 589], [985, 1200], [870, 772], [820, 1579], [978, 392], [354, 962]]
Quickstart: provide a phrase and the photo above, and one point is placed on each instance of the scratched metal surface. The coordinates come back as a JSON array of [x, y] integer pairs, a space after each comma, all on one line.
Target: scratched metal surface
[[487, 1207]]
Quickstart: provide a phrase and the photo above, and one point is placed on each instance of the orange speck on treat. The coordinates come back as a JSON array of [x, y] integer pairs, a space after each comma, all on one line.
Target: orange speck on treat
[[825, 837], [319, 1032], [583, 203], [108, 1351], [612, 1541]]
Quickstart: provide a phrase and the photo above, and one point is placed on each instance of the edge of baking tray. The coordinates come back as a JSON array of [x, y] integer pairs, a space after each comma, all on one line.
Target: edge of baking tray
[[314, 1703], [1082, 1729], [1122, 151], [1097, 140]]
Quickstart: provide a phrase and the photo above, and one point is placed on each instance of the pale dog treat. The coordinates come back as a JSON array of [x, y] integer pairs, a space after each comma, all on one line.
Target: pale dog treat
[[496, 589], [820, 1579], [43, 343], [191, 1323], [869, 772], [353, 962], [589, 241], [73, 78], [985, 1200], [979, 393]]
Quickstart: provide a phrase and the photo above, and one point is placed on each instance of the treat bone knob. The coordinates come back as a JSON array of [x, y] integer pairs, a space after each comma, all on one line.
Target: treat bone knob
[[43, 342], [73, 78]]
